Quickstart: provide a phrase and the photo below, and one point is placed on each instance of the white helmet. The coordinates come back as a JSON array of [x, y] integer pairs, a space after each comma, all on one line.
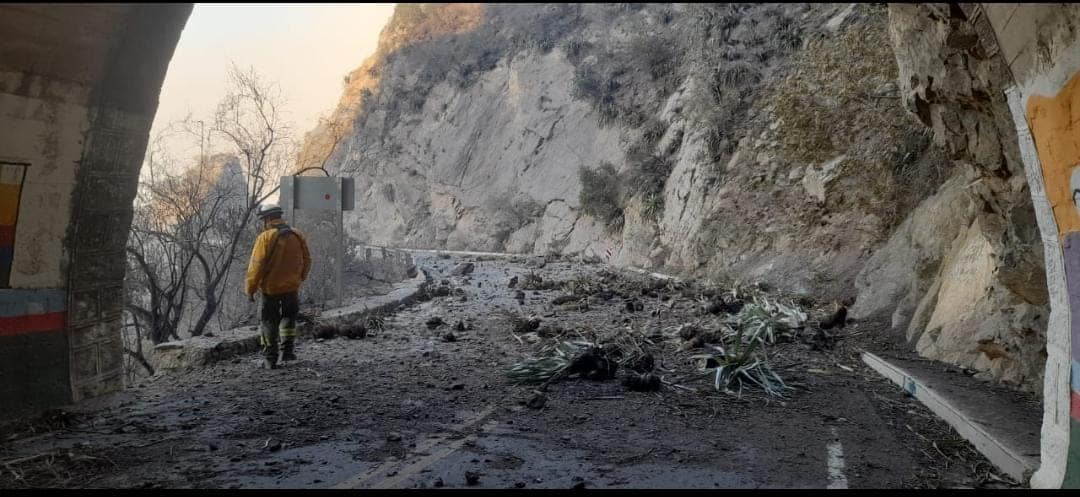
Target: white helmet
[[269, 210]]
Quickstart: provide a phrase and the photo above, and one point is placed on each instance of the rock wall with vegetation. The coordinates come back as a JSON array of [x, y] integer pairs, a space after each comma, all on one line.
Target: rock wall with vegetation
[[977, 295], [784, 144]]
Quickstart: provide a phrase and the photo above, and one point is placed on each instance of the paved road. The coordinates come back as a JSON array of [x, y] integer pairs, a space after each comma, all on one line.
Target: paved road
[[403, 408]]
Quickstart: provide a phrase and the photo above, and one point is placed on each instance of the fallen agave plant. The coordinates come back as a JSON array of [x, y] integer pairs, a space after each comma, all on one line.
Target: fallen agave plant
[[768, 321], [730, 376], [739, 362], [589, 360], [550, 361]]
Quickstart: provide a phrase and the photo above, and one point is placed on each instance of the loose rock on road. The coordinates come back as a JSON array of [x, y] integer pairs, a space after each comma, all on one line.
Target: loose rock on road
[[408, 407]]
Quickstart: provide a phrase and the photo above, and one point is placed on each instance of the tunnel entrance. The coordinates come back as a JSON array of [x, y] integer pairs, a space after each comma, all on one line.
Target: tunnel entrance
[[78, 95]]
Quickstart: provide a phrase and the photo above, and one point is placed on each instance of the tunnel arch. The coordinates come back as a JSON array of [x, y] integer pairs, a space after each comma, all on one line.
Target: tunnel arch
[[79, 88]]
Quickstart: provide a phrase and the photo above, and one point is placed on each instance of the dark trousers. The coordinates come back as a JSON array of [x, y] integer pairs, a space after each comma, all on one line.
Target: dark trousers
[[279, 314]]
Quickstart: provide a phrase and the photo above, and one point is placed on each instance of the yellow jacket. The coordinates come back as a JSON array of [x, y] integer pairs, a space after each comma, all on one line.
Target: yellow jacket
[[288, 265]]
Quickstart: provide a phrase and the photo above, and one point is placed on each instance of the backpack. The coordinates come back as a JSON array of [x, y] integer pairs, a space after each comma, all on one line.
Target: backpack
[[282, 230]]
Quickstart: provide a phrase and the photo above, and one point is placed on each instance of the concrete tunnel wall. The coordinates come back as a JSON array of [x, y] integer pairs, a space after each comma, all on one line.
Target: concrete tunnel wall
[[1041, 46], [79, 88]]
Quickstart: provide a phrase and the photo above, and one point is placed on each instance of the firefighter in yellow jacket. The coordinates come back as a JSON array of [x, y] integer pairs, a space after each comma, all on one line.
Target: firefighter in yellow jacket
[[280, 262]]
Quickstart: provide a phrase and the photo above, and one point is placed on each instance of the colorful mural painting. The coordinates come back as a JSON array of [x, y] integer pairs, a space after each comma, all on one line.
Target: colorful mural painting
[[32, 321], [1052, 121], [32, 333], [31, 311], [12, 175]]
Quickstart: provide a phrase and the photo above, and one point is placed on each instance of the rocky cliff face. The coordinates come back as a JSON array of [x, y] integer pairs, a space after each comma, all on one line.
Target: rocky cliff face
[[977, 296], [773, 143]]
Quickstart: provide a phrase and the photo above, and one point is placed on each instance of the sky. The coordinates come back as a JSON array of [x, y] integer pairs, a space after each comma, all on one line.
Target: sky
[[306, 48]]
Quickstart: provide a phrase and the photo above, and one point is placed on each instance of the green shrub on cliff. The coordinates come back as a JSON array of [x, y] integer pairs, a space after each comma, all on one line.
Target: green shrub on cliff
[[601, 195]]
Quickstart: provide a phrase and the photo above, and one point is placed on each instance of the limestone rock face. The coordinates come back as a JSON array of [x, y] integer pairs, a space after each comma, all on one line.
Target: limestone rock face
[[789, 144], [493, 167], [977, 295], [493, 164]]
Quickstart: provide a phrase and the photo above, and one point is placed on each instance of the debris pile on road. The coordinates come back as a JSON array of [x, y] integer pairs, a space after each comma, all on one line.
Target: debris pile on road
[[742, 359], [533, 281], [356, 329], [732, 337]]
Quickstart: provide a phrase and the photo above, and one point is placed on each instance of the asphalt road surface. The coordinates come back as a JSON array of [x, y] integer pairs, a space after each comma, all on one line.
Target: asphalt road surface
[[407, 407]]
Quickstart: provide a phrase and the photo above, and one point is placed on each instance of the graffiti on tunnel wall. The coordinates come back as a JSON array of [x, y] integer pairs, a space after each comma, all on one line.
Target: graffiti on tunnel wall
[[21, 311], [12, 175], [1053, 123]]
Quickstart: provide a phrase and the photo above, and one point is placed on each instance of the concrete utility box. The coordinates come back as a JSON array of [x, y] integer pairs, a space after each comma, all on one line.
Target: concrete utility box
[[321, 194], [315, 193]]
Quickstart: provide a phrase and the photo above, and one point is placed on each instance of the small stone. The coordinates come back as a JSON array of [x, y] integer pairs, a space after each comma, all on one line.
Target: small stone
[[457, 386], [472, 478], [438, 483], [537, 401], [463, 269], [519, 484], [393, 436]]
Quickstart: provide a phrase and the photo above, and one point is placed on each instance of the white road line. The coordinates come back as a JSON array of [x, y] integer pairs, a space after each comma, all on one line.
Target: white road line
[[356, 481], [416, 467], [837, 480]]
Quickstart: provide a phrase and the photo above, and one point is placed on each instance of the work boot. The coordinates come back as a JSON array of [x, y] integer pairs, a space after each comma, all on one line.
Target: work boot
[[288, 346], [269, 364], [288, 341]]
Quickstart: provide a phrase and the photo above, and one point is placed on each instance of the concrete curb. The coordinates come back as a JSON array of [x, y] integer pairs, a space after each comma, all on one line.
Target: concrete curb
[[507, 255], [503, 255], [1008, 460], [403, 293], [659, 276], [199, 352]]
